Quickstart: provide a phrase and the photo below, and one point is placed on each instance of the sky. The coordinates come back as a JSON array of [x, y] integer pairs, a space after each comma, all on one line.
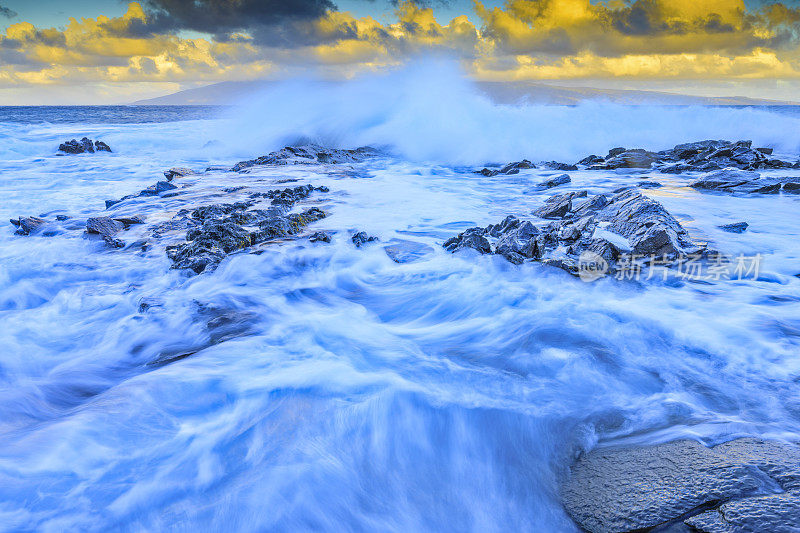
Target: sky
[[109, 51]]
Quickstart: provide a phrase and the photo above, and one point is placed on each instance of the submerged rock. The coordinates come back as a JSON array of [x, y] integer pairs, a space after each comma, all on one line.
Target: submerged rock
[[85, 145], [509, 169], [308, 154], [743, 485], [736, 227]]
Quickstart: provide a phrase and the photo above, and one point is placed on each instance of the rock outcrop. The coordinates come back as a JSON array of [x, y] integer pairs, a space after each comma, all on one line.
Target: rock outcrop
[[308, 154], [746, 182], [702, 156], [745, 485], [625, 223], [217, 230], [85, 145]]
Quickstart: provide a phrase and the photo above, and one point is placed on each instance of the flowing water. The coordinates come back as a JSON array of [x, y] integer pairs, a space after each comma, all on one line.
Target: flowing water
[[355, 393]]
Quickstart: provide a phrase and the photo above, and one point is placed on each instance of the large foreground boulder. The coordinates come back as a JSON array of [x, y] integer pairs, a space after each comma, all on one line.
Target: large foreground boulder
[[745, 485]]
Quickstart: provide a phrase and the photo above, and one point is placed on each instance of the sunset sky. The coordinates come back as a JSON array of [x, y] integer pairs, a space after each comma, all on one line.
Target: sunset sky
[[104, 51]]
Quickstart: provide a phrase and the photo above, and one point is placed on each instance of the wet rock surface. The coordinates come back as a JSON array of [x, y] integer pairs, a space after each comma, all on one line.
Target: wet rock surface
[[308, 154], [83, 146], [745, 182], [361, 238], [745, 485], [606, 227], [701, 156], [736, 227], [217, 230]]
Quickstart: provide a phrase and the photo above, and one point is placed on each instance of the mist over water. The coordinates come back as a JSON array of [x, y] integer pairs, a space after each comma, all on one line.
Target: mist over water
[[353, 393], [430, 111]]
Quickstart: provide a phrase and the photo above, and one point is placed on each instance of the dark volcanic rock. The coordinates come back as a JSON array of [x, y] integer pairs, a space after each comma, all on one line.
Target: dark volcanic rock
[[511, 168], [626, 222], [28, 225], [555, 181], [178, 172], [648, 185], [637, 158], [743, 485], [474, 238], [736, 227], [308, 154], [218, 230], [743, 181], [320, 236], [591, 160], [361, 238], [104, 226], [555, 165], [85, 145], [559, 205], [701, 156]]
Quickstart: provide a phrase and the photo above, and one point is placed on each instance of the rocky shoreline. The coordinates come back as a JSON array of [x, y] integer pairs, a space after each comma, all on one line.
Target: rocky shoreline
[[742, 485]]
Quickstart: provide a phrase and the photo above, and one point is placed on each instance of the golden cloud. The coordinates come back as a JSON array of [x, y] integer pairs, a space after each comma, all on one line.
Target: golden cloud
[[524, 39]]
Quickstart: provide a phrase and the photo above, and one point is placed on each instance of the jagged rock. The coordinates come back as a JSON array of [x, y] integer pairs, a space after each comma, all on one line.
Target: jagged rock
[[472, 238], [104, 226], [628, 222], [320, 236], [129, 221], [100, 146], [178, 172], [217, 230], [591, 160], [85, 145], [28, 225], [555, 181], [648, 185], [559, 205], [164, 186], [742, 485], [555, 165], [742, 181], [361, 238], [636, 158], [614, 152], [511, 168], [308, 154], [736, 227], [702, 156]]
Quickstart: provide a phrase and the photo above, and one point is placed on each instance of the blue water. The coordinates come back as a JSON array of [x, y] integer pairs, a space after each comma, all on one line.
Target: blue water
[[358, 394]]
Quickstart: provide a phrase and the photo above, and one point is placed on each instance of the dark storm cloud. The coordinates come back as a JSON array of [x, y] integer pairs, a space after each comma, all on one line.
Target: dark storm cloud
[[267, 20], [7, 13]]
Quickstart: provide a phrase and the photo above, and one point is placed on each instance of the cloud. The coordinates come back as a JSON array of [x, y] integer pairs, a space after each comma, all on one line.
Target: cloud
[[7, 13], [521, 40]]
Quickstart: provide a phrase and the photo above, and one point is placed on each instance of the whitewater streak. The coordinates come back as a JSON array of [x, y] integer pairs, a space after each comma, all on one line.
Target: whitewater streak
[[447, 393]]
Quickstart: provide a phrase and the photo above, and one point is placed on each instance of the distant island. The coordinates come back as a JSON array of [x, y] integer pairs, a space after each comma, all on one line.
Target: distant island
[[231, 92]]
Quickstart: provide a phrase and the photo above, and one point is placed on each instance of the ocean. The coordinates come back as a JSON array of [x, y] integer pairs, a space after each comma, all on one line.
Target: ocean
[[351, 392]]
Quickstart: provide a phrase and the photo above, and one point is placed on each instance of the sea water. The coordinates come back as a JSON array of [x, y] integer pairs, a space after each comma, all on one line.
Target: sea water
[[447, 393]]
